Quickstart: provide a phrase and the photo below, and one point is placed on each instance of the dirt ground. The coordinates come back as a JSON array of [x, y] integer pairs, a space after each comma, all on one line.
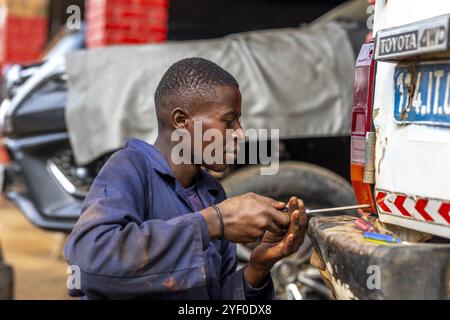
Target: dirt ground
[[36, 256]]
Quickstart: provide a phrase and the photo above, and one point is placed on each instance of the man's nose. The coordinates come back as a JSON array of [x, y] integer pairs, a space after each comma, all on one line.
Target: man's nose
[[239, 134]]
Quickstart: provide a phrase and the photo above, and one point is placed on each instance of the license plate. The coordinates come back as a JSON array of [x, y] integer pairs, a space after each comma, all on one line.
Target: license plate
[[422, 94]]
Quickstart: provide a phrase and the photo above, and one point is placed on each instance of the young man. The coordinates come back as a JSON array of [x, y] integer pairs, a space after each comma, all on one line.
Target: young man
[[159, 230]]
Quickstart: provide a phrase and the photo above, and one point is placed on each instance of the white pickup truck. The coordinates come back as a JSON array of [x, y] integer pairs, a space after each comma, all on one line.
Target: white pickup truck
[[400, 162]]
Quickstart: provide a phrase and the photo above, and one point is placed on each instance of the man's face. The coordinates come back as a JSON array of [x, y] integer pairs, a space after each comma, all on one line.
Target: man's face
[[221, 114]]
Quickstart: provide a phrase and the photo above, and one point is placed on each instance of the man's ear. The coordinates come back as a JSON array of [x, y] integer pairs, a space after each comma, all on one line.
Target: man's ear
[[179, 118]]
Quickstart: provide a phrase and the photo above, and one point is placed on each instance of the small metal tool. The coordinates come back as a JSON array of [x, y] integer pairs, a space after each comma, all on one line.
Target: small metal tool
[[359, 206], [308, 211]]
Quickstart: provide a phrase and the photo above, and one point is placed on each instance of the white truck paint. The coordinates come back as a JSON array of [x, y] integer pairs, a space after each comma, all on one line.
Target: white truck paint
[[411, 159]]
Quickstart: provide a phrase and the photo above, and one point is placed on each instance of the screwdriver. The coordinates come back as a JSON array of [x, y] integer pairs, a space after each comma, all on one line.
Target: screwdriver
[[308, 211]]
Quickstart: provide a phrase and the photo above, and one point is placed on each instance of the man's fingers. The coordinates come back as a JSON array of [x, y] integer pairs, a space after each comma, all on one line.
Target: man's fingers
[[289, 246], [291, 238], [302, 227], [275, 229], [296, 232], [302, 220], [292, 204], [271, 202], [293, 233], [293, 223], [301, 205], [280, 218]]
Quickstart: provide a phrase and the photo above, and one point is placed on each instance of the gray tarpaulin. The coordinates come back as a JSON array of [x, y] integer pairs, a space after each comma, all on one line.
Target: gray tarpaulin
[[298, 80]]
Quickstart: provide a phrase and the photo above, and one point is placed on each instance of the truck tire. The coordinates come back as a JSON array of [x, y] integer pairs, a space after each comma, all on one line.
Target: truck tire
[[318, 187]]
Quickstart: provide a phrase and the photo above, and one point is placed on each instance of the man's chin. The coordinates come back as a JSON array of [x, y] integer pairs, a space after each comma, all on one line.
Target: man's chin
[[230, 157], [217, 167]]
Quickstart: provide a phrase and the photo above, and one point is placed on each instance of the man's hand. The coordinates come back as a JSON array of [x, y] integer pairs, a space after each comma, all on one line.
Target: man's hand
[[276, 247], [247, 217]]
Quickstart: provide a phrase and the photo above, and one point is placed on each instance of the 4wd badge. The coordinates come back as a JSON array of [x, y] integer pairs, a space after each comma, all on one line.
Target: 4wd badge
[[413, 39]]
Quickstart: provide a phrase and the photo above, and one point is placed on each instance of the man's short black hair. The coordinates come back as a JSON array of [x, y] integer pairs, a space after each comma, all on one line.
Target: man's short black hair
[[186, 79]]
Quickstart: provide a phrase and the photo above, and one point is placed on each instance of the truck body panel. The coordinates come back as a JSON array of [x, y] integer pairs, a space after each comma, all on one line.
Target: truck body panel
[[412, 172]]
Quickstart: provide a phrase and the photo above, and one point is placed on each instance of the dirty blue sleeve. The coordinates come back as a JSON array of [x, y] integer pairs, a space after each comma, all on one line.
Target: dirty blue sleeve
[[122, 256], [264, 291], [234, 285]]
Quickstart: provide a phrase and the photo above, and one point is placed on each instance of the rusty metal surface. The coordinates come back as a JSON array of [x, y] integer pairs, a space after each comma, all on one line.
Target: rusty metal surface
[[406, 271]]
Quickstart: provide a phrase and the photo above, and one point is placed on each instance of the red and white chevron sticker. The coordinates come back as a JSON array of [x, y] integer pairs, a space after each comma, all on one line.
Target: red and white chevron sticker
[[422, 209]]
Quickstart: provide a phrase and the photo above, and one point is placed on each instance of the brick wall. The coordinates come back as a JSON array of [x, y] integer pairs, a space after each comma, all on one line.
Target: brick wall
[[23, 30], [111, 22]]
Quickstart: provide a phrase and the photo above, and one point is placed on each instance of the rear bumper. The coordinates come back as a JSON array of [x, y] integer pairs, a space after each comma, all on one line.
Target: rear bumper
[[355, 269]]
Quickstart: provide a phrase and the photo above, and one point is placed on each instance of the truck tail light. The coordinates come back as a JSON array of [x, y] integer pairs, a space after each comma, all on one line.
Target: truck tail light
[[361, 157]]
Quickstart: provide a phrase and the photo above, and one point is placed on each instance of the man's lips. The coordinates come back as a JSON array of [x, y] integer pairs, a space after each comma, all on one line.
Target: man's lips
[[232, 154], [231, 151]]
